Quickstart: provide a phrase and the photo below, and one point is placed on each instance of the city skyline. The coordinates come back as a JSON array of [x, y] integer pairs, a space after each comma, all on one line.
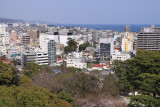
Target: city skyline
[[83, 12]]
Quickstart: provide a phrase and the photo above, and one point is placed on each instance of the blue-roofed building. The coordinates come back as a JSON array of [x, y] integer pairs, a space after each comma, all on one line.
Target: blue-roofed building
[[57, 71], [13, 54]]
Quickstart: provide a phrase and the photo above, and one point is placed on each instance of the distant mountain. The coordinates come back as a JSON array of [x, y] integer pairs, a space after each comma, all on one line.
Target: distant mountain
[[5, 20]]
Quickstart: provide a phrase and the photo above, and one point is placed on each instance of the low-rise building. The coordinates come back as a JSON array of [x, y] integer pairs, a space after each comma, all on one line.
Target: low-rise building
[[101, 66], [76, 62], [120, 56], [42, 58]]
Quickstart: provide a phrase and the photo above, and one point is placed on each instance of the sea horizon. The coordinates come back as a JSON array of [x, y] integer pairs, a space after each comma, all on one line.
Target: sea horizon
[[113, 27]]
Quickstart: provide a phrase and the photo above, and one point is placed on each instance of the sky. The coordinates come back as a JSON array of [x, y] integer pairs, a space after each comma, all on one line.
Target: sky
[[83, 11]]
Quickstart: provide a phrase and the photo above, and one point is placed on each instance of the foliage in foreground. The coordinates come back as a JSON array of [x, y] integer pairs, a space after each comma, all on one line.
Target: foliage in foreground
[[144, 100], [141, 73], [7, 74], [28, 97]]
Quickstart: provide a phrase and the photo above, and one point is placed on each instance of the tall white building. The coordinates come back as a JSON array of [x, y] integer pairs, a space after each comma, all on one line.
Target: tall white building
[[127, 42], [48, 45], [4, 39], [42, 58], [43, 41], [4, 36]]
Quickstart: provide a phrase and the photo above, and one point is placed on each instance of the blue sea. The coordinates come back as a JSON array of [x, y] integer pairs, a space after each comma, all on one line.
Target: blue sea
[[113, 27]]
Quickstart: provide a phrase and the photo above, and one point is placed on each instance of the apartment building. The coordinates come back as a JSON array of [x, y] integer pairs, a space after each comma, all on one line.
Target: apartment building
[[149, 38]]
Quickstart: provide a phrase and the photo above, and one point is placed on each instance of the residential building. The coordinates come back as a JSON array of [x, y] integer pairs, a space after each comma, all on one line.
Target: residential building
[[117, 55], [24, 38], [42, 58], [28, 57], [76, 62], [101, 66], [127, 41], [127, 28], [106, 48], [149, 38], [34, 57], [4, 36], [13, 54], [34, 34], [52, 52]]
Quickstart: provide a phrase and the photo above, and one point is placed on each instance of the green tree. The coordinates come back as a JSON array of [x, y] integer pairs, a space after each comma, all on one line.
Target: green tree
[[74, 70], [72, 46], [32, 69], [7, 74], [144, 101], [67, 49], [122, 71], [65, 96], [141, 73], [29, 97], [25, 81], [83, 46]]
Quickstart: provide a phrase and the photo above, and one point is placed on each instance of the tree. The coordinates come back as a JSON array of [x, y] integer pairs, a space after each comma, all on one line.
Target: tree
[[144, 101], [141, 73], [81, 84], [67, 49], [63, 103], [32, 69], [25, 81], [29, 97], [76, 84], [65, 96], [110, 86], [72, 46], [74, 70], [122, 71], [83, 46], [7, 74]]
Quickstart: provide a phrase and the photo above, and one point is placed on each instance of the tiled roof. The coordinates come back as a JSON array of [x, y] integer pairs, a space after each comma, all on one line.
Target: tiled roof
[[100, 65], [60, 59]]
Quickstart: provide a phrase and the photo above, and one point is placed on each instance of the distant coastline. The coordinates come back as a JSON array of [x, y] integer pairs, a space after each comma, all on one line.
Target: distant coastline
[[113, 27]]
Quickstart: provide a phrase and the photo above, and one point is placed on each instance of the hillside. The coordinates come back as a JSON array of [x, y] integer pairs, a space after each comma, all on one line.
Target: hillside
[[5, 20]]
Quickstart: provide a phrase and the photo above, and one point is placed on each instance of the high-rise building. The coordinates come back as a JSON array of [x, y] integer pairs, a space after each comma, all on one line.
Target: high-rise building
[[4, 36], [127, 28], [52, 52], [34, 57], [25, 38], [34, 34], [28, 57], [149, 38], [42, 58], [127, 41], [106, 48]]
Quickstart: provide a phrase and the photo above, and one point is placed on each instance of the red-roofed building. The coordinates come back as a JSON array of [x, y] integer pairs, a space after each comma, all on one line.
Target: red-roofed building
[[60, 60], [101, 66], [8, 62], [117, 48]]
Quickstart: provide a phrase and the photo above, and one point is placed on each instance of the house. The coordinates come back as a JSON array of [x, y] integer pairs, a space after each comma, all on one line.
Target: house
[[8, 62], [57, 71], [60, 60], [101, 66], [76, 62], [117, 55]]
